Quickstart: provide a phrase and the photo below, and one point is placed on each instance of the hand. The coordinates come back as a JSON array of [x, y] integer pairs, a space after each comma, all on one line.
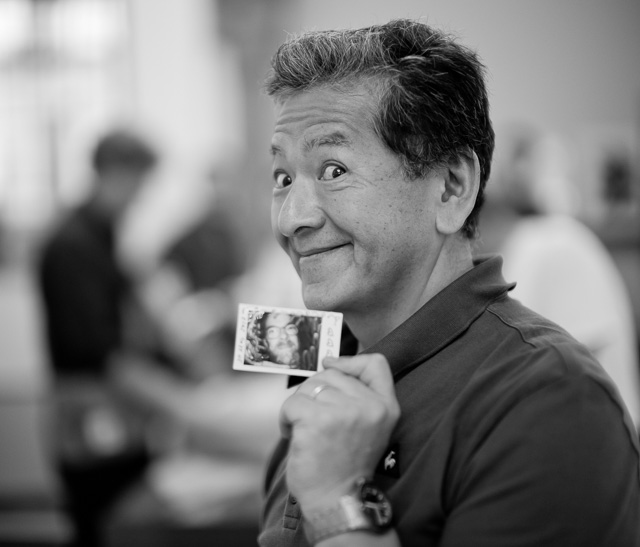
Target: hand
[[310, 355], [340, 434], [309, 358]]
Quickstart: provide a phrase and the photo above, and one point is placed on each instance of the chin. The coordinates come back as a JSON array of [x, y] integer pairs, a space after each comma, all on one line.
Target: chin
[[315, 301], [322, 299]]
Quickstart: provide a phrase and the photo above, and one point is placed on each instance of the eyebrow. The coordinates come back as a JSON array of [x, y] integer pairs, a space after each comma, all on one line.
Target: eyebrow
[[332, 139], [336, 138], [274, 150]]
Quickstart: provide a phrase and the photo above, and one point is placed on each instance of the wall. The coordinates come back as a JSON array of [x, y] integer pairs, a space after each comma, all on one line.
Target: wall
[[569, 67], [561, 64]]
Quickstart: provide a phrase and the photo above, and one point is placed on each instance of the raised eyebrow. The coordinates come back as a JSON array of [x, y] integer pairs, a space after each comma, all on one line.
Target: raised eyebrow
[[332, 139], [274, 150]]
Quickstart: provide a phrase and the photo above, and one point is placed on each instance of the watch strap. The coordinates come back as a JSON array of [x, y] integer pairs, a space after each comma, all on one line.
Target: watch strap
[[349, 514], [346, 516]]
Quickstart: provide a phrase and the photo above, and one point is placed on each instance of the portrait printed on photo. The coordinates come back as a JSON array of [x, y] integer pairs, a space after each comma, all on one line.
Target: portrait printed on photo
[[285, 340]]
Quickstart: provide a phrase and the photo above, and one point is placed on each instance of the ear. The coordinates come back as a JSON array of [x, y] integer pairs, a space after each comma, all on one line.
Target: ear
[[461, 184]]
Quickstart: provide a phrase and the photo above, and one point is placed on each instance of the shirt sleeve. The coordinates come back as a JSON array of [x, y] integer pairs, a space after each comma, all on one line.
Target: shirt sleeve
[[559, 468]]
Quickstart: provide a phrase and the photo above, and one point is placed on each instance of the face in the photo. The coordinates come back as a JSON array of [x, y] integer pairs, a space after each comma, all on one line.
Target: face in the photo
[[281, 334]]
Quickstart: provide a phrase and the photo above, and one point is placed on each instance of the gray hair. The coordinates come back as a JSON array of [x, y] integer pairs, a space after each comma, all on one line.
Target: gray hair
[[432, 103]]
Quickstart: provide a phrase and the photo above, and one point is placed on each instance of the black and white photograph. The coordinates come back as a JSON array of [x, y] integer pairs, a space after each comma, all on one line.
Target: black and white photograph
[[301, 273], [284, 340]]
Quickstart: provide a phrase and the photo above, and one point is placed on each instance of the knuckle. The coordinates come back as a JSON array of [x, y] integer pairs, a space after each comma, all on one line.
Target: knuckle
[[395, 412], [378, 358], [385, 413], [328, 420], [329, 374], [378, 412]]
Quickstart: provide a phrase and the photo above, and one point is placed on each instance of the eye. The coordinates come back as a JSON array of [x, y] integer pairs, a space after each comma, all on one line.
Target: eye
[[332, 171], [282, 180]]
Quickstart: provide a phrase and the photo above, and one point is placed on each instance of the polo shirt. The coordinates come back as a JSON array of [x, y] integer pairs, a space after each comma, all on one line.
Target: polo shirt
[[510, 433]]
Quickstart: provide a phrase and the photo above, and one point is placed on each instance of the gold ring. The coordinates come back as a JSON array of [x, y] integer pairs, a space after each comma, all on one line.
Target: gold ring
[[318, 389]]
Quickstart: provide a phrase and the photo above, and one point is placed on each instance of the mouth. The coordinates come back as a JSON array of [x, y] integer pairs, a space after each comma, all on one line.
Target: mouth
[[321, 251]]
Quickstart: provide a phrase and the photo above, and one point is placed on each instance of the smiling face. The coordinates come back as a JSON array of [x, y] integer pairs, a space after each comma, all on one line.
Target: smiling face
[[360, 235]]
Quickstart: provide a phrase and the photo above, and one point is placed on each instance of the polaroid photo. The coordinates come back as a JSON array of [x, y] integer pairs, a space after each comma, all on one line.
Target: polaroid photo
[[285, 340]]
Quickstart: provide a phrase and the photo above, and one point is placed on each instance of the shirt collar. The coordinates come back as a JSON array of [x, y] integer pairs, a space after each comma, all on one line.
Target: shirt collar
[[444, 317]]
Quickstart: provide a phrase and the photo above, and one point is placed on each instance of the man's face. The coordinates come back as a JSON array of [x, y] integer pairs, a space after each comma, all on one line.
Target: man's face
[[359, 234], [121, 187], [282, 339]]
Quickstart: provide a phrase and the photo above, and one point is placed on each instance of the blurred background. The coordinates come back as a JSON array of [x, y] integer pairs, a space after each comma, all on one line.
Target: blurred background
[[186, 75]]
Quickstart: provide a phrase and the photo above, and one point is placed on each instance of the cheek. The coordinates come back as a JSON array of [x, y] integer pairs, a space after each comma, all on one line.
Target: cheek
[[378, 223], [275, 212], [276, 205], [386, 241]]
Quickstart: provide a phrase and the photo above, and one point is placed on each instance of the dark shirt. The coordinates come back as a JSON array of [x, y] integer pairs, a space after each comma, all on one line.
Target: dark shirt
[[510, 433], [83, 289]]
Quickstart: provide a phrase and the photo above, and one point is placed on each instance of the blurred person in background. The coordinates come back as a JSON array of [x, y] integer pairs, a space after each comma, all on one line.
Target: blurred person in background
[[98, 441], [188, 289], [562, 270]]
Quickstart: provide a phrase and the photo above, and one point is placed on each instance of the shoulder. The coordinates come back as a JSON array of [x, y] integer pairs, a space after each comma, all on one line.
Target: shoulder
[[72, 237], [67, 231], [526, 346], [533, 374]]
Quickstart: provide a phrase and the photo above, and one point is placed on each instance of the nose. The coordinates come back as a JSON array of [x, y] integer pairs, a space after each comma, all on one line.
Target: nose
[[299, 209]]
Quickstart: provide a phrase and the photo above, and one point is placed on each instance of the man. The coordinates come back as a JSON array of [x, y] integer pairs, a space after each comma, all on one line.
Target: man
[[84, 290], [281, 335], [464, 419], [284, 339], [83, 286]]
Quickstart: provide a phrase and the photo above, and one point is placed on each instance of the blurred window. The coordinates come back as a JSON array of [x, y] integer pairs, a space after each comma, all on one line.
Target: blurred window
[[64, 67]]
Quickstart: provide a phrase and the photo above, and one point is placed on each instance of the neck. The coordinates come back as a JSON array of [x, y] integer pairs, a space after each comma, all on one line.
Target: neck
[[100, 207], [374, 323], [107, 198]]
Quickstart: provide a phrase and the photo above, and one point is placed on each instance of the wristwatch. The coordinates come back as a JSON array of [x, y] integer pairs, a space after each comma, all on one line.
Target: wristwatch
[[365, 508]]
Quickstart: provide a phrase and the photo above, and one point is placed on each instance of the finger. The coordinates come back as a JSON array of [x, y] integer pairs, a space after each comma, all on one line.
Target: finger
[[313, 357], [309, 359], [305, 360], [311, 388], [286, 428], [298, 407], [372, 369], [341, 385]]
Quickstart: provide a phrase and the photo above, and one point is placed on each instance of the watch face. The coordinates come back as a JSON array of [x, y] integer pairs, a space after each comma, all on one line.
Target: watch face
[[376, 505]]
